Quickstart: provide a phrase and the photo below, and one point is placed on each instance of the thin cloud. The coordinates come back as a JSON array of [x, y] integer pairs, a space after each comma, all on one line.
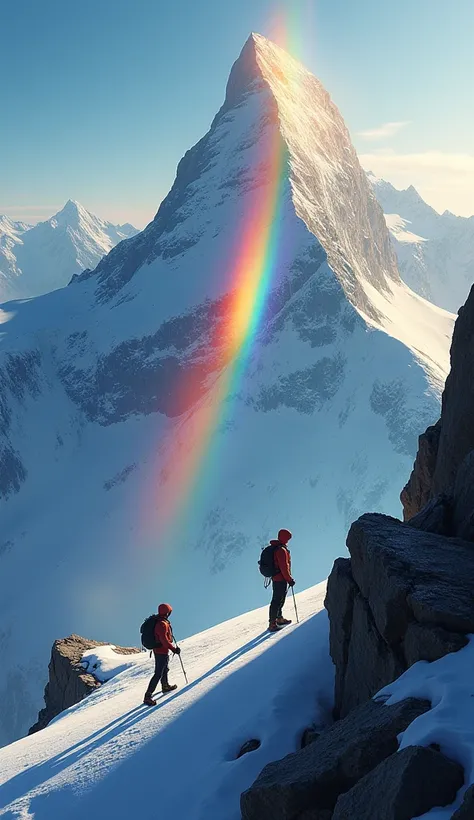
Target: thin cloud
[[388, 129], [39, 208], [445, 180]]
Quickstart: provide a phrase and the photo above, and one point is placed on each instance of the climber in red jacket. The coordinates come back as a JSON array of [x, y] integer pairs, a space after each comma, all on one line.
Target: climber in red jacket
[[281, 580], [164, 637]]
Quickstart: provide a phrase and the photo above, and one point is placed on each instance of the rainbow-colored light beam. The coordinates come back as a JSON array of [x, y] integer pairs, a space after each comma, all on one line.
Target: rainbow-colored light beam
[[193, 457]]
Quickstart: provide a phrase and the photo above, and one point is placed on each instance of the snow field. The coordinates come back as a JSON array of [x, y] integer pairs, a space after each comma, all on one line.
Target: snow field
[[110, 756]]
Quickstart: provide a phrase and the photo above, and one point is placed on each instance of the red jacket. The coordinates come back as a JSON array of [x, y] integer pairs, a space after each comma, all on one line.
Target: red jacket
[[164, 635], [282, 562]]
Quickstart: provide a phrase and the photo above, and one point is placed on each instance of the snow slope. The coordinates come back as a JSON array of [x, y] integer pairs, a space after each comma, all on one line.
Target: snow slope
[[137, 464], [435, 251], [40, 258], [110, 756]]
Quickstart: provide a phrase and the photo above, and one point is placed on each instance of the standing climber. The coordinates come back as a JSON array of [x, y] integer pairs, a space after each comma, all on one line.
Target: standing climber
[[163, 645], [281, 580]]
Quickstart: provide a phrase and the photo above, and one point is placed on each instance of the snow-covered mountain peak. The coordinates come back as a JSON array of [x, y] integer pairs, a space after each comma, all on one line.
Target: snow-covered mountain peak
[[272, 99], [10, 228], [435, 252], [40, 258], [71, 214], [328, 184]]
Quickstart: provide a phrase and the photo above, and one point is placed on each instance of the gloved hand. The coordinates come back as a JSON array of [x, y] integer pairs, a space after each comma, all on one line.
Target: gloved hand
[[291, 583], [177, 650]]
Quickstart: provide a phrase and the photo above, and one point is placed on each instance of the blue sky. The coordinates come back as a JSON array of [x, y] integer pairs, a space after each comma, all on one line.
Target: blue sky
[[100, 98]]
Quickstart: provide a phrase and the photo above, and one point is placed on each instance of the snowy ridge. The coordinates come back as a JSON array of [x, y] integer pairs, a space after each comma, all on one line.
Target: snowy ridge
[[40, 258], [97, 759], [345, 371], [435, 251]]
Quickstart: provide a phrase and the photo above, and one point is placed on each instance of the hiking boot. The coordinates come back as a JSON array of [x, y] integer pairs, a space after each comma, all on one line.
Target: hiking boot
[[148, 700], [281, 621], [168, 687], [273, 627]]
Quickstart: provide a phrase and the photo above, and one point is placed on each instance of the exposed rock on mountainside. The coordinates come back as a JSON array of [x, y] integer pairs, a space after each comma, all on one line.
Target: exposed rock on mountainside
[[406, 785], [444, 460], [313, 778], [404, 595], [68, 682], [466, 811]]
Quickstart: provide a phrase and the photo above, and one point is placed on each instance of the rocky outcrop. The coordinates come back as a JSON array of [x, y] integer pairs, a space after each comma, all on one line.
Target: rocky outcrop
[[406, 785], [466, 810], [404, 595], [417, 492], [68, 682], [312, 779], [436, 516], [444, 448]]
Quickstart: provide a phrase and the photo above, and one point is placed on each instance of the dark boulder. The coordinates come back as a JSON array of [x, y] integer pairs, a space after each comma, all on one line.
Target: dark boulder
[[436, 516], [314, 777], [407, 784], [429, 643], [466, 810], [249, 746]]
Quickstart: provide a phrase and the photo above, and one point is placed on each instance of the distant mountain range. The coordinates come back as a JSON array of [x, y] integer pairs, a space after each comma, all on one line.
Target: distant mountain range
[[41, 258], [435, 251]]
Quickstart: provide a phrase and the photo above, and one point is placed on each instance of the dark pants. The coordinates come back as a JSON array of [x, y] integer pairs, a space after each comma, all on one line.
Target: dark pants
[[278, 600], [161, 673]]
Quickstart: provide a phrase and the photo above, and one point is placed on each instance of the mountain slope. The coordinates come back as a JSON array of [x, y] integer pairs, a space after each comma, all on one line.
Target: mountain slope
[[435, 251], [251, 360], [98, 758], [40, 258]]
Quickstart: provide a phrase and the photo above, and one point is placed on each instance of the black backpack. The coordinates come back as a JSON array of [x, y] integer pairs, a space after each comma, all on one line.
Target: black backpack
[[267, 561], [147, 632]]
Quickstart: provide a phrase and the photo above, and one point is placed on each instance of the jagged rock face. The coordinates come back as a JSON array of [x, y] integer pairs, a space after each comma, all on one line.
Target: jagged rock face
[[466, 811], [37, 259], [138, 442], [406, 785], [457, 429], [417, 491], [313, 778], [404, 595], [444, 450], [68, 682]]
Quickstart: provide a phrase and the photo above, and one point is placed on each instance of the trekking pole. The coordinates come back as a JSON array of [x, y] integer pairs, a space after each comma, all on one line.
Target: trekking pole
[[184, 671], [294, 601], [180, 660]]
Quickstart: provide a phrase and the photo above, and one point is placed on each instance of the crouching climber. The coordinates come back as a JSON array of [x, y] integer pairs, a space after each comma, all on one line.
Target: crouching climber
[[163, 645]]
